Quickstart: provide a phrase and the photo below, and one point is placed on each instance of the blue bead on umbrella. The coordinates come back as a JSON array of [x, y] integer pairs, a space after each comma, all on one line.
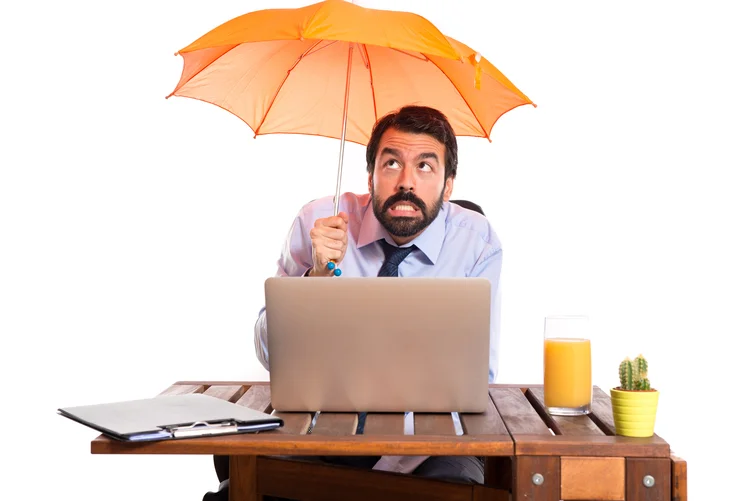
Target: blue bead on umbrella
[[331, 266]]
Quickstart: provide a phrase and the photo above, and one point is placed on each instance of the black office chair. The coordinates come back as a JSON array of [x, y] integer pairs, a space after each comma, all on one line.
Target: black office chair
[[469, 205]]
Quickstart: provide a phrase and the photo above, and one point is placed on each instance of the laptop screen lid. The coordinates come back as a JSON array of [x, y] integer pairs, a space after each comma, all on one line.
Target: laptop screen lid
[[378, 344]]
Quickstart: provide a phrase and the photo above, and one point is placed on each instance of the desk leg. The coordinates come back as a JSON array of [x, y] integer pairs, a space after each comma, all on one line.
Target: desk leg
[[243, 478], [679, 479]]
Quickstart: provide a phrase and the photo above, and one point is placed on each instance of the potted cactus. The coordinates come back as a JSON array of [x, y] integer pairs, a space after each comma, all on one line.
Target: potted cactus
[[634, 402]]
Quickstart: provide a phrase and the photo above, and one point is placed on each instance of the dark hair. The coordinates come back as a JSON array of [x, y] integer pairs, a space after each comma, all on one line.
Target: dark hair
[[417, 120]]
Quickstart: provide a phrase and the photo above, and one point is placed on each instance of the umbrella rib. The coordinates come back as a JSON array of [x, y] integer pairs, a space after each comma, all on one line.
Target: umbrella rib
[[289, 72], [311, 52], [372, 84], [462, 96]]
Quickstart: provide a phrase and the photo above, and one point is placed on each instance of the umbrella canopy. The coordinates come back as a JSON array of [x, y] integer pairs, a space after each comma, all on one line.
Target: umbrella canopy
[[334, 68]]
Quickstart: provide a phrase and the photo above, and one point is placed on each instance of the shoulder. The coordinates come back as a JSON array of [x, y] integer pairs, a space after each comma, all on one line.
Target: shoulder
[[469, 224], [473, 233]]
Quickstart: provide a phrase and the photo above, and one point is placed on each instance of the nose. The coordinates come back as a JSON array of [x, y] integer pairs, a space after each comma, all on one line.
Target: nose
[[406, 181]]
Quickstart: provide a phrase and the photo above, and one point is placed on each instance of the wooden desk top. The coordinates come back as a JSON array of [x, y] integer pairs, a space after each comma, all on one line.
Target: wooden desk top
[[515, 423]]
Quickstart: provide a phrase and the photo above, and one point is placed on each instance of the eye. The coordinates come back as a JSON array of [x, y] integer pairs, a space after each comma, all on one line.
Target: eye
[[425, 166], [391, 164]]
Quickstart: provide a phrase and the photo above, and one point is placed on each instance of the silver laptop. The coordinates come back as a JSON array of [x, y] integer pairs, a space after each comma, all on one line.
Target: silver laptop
[[378, 344]]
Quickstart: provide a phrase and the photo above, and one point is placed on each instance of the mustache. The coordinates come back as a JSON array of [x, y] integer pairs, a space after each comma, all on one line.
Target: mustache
[[405, 196]]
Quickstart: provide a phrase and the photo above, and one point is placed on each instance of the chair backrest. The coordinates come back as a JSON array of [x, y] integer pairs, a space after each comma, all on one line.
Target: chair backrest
[[469, 205]]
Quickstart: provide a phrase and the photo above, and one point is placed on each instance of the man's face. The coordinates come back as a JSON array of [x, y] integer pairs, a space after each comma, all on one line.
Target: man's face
[[408, 184]]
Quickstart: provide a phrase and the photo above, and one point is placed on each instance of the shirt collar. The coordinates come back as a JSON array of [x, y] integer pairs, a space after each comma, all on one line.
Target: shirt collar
[[430, 241]]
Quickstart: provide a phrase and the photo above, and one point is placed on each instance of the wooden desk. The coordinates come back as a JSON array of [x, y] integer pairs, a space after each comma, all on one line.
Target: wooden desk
[[529, 453]]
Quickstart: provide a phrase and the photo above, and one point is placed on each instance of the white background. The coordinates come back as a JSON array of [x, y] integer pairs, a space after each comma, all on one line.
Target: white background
[[136, 232]]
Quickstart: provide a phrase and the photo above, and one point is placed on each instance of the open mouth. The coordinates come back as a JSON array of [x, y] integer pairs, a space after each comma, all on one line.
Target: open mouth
[[404, 209]]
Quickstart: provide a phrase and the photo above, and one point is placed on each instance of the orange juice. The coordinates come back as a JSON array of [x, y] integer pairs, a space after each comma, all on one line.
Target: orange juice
[[567, 374]]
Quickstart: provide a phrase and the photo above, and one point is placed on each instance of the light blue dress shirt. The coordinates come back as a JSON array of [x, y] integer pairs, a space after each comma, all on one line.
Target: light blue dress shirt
[[458, 243]]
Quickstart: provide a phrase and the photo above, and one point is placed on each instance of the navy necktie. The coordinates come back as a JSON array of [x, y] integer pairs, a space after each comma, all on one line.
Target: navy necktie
[[393, 257]]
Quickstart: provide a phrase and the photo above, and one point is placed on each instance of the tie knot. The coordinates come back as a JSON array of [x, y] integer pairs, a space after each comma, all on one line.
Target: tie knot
[[393, 257]]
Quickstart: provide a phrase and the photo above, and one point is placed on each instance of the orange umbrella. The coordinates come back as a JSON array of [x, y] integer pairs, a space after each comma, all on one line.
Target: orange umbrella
[[333, 68]]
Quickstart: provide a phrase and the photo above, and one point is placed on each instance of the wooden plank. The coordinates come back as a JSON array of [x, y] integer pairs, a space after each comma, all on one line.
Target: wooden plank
[[599, 446], [679, 478], [321, 482], [563, 425], [384, 424], [581, 426], [243, 479], [271, 443], [230, 393], [257, 397], [488, 422], [636, 469], [523, 485], [295, 423], [335, 424], [484, 493], [183, 389], [225, 383], [601, 411], [517, 413], [433, 424], [583, 478], [522, 387]]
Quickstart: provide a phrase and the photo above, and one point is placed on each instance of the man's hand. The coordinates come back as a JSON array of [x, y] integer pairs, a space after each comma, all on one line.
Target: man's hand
[[329, 240]]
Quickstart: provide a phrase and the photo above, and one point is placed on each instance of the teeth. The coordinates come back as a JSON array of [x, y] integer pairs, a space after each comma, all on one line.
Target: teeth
[[403, 207]]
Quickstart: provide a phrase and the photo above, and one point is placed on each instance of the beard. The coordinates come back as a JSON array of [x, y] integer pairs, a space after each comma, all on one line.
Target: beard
[[406, 226]]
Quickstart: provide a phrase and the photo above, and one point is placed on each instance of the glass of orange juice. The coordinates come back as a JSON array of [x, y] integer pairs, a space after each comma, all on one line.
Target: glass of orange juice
[[567, 365]]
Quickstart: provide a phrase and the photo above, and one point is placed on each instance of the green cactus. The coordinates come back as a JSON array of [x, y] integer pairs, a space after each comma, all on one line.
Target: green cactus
[[642, 366], [626, 374], [634, 374], [642, 385]]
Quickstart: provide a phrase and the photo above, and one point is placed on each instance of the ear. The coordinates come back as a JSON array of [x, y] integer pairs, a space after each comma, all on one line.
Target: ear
[[448, 189], [369, 183]]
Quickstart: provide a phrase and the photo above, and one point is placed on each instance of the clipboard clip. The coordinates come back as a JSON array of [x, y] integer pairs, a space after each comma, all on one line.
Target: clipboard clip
[[202, 429]]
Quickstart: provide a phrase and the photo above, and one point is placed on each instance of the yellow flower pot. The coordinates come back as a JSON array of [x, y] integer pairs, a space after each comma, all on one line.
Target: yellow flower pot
[[634, 412]]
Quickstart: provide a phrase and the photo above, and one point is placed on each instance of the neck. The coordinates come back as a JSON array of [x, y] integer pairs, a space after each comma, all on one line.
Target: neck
[[404, 240]]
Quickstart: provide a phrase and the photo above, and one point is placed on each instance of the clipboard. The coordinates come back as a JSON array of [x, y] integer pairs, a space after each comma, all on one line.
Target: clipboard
[[170, 417]]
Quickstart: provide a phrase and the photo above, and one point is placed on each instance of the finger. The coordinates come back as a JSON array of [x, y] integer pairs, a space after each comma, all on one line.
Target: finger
[[326, 254], [331, 244], [333, 222], [332, 233]]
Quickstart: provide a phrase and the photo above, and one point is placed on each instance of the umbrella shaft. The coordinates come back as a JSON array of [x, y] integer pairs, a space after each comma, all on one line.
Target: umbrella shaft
[[343, 131]]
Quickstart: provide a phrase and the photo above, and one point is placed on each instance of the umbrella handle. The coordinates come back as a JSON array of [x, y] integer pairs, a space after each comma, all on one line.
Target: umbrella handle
[[331, 264], [343, 131]]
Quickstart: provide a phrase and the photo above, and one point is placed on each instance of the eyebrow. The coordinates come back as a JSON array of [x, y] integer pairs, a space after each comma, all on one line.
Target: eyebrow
[[397, 154]]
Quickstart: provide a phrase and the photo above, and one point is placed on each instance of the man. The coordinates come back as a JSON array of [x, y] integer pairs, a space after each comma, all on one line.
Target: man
[[411, 163]]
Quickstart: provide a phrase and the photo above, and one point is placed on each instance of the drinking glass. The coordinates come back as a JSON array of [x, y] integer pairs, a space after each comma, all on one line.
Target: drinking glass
[[567, 365]]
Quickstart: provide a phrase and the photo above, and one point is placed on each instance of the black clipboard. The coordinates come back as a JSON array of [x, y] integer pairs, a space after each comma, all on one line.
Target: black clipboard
[[170, 417]]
